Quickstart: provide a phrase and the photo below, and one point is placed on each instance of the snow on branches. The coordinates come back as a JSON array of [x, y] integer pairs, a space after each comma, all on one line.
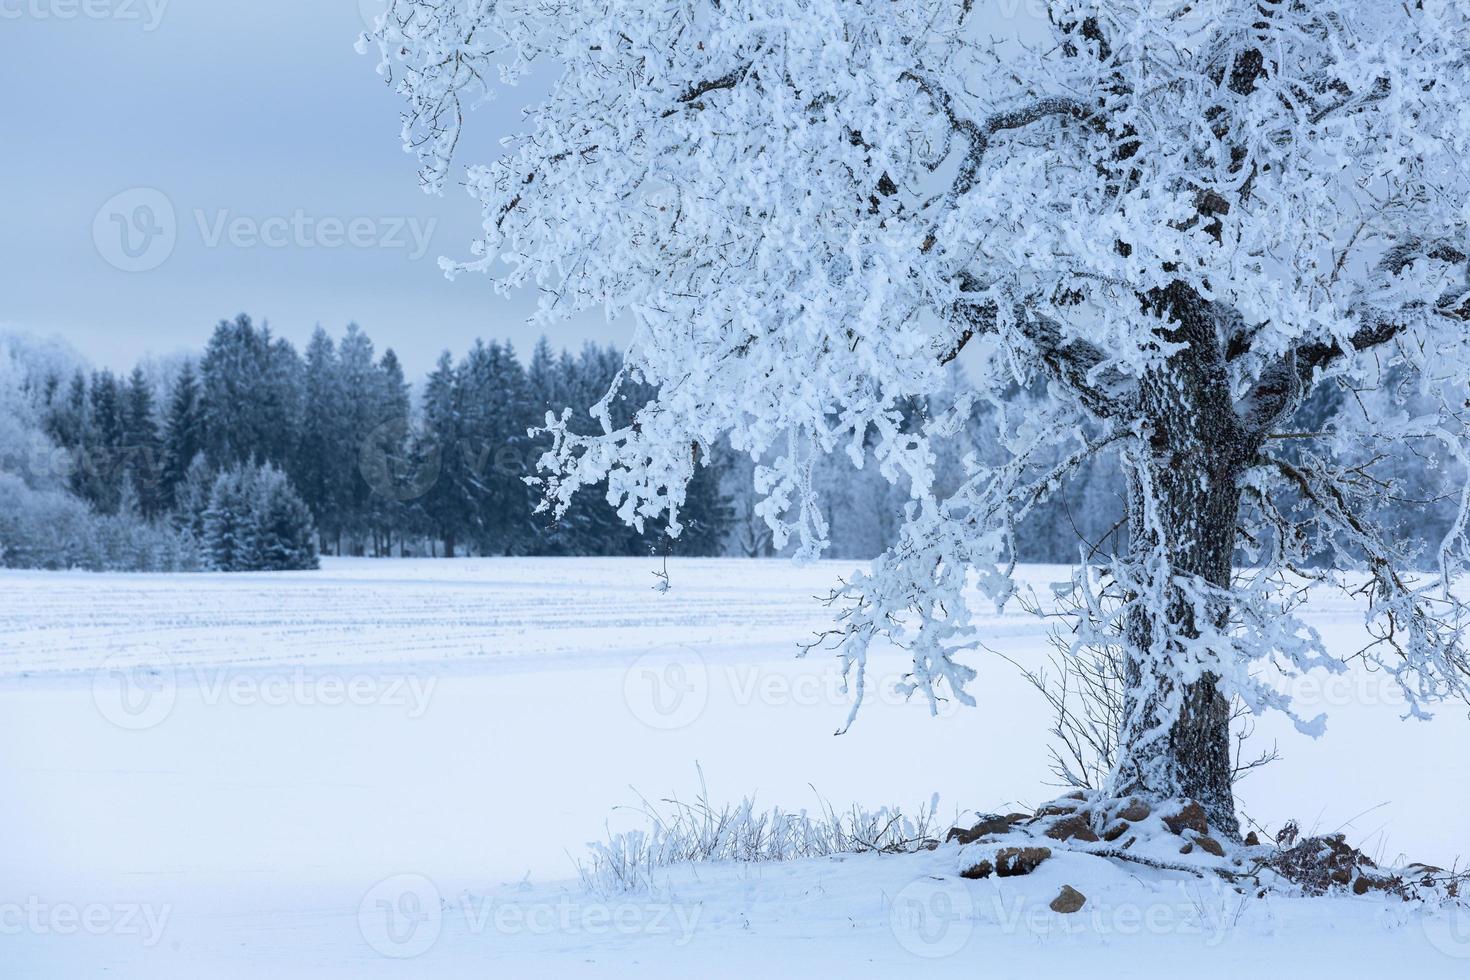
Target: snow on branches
[[1180, 219]]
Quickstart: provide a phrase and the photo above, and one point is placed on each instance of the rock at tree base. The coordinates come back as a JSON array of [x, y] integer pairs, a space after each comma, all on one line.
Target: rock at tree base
[[1209, 845], [1191, 816], [1075, 826], [1009, 862], [1135, 811], [988, 824]]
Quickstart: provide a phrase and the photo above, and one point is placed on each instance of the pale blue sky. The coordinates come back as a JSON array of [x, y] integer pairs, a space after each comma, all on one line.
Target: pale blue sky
[[254, 111]]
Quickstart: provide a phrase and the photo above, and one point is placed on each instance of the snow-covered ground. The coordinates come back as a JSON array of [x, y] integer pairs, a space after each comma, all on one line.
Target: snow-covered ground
[[317, 773]]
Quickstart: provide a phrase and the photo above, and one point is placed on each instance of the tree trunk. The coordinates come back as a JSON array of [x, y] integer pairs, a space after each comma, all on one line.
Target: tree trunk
[[1184, 500], [449, 546]]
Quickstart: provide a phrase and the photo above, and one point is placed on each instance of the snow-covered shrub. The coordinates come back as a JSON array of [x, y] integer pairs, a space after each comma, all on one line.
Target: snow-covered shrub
[[50, 529], [255, 521], [680, 832]]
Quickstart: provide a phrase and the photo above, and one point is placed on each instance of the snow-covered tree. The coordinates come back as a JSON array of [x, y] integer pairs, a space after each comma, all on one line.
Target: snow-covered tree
[[1181, 217], [183, 434], [255, 521]]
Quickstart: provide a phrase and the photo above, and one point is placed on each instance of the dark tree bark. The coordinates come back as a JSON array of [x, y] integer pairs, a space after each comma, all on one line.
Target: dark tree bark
[[1184, 499]]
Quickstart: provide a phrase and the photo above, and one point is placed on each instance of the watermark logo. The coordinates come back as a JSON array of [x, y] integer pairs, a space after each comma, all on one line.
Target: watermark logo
[[299, 229], [148, 13], [135, 230], [41, 918], [932, 917], [1449, 931], [667, 688], [135, 690], [400, 917], [397, 462]]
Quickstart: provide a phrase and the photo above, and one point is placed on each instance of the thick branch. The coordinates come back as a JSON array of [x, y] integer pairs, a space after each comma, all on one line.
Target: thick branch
[[978, 134], [690, 96], [1068, 361]]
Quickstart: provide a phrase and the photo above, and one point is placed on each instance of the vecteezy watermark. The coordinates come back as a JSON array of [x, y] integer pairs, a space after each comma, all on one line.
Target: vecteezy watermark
[[1448, 930], [402, 916], [399, 463], [1351, 686], [669, 687], [302, 230], [41, 918], [932, 917], [136, 230], [147, 13], [137, 690]]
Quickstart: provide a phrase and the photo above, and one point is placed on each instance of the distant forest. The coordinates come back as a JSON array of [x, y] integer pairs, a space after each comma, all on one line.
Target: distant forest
[[253, 455], [335, 427]]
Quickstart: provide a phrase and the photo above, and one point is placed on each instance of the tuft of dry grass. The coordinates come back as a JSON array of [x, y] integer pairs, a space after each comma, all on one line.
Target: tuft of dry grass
[[684, 832]]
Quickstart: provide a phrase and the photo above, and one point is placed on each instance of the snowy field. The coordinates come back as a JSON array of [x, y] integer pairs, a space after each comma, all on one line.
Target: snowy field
[[387, 768]]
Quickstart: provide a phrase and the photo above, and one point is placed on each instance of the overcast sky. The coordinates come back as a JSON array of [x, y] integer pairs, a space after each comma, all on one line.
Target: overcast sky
[[275, 146]]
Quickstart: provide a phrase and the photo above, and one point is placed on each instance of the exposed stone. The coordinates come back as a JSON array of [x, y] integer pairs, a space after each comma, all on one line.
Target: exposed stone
[[981, 869], [1135, 811], [1188, 848], [1075, 826], [1013, 861], [1252, 839], [1010, 862], [1191, 816], [1116, 831], [989, 824], [1069, 900], [1211, 845], [1363, 884]]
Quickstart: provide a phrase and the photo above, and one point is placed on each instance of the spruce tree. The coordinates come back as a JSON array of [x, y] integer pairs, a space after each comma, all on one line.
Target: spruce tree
[[445, 505], [284, 536], [317, 468], [183, 435], [143, 448], [229, 528]]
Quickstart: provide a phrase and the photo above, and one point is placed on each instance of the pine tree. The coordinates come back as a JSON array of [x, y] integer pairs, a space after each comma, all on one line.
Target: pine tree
[[191, 496], [445, 505], [143, 446], [317, 468], [251, 394], [256, 522], [396, 486], [183, 434], [360, 387], [229, 522], [285, 538], [98, 477]]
